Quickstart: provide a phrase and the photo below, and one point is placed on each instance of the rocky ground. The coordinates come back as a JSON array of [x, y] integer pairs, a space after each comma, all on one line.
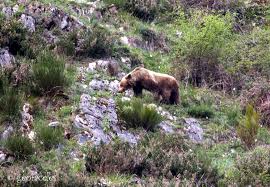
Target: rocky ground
[[87, 109]]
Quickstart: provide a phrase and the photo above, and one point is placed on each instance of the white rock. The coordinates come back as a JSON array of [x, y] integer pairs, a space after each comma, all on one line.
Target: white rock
[[28, 22], [91, 67], [125, 99], [114, 86], [7, 132], [2, 156], [124, 40], [32, 135], [53, 124]]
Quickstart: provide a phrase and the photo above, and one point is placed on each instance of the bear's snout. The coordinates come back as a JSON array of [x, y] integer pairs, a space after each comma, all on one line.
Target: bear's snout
[[121, 90]]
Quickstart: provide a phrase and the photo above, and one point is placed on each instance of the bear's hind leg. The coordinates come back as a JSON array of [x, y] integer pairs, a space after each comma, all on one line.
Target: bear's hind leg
[[165, 97]]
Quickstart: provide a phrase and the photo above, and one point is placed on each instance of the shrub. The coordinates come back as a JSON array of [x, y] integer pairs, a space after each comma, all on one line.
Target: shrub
[[67, 44], [201, 111], [264, 135], [49, 137], [157, 155], [233, 114], [14, 36], [150, 10], [20, 146], [248, 127], [135, 114], [252, 169], [98, 43], [48, 73], [254, 55], [118, 3], [229, 5], [10, 100], [205, 41]]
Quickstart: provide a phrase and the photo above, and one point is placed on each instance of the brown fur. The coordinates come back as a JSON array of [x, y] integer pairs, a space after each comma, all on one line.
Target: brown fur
[[162, 85]]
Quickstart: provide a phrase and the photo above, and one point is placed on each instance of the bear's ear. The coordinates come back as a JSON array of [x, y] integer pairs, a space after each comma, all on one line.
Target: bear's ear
[[129, 76]]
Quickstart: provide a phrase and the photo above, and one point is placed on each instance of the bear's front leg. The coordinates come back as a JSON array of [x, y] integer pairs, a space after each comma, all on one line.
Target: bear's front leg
[[157, 97], [137, 90]]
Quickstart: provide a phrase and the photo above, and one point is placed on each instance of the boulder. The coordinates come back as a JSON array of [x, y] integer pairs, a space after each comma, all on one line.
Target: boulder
[[7, 60], [28, 22], [98, 121], [193, 129]]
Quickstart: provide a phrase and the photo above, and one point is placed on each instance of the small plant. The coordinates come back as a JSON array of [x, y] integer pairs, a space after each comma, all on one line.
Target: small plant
[[98, 43], [10, 100], [49, 137], [106, 124], [248, 127], [150, 10], [264, 135], [233, 114], [67, 44], [20, 146], [201, 111], [205, 42], [156, 155], [14, 36], [135, 114], [251, 169], [48, 73]]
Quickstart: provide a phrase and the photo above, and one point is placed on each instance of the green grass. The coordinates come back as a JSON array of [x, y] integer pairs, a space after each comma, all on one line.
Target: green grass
[[10, 103], [48, 137], [201, 111], [20, 146], [49, 73], [135, 114]]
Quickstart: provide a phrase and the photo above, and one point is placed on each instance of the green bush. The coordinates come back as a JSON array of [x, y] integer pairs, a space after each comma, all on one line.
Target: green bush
[[49, 137], [118, 3], [264, 135], [20, 146], [135, 114], [248, 127], [229, 5], [67, 44], [10, 100], [201, 111], [254, 54], [150, 10], [157, 155], [14, 36], [205, 40], [98, 43], [233, 114], [48, 73], [251, 169]]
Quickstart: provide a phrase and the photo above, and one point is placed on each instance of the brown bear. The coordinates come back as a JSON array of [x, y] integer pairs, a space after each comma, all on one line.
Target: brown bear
[[165, 87]]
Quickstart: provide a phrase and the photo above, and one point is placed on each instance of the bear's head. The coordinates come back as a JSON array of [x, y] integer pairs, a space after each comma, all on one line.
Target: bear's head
[[126, 83]]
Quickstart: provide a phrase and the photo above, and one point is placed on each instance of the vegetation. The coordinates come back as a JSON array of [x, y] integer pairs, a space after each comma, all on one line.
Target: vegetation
[[252, 168], [67, 44], [156, 155], [135, 114], [98, 43], [20, 146], [201, 111], [48, 73], [15, 37], [218, 51], [248, 127], [49, 137], [10, 100]]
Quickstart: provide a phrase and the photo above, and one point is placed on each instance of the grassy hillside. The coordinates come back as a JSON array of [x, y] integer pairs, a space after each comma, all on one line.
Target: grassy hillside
[[63, 122]]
